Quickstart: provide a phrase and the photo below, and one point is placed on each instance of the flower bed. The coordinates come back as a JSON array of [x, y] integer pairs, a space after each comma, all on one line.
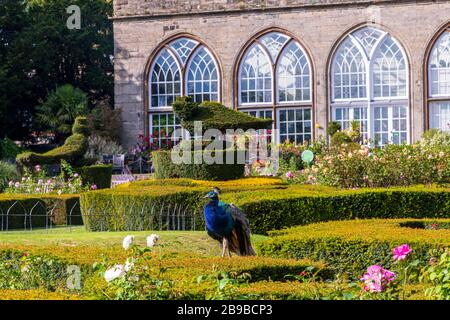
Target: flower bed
[[354, 166]]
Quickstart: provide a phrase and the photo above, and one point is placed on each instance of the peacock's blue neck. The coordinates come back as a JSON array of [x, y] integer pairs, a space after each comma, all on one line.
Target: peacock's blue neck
[[214, 202]]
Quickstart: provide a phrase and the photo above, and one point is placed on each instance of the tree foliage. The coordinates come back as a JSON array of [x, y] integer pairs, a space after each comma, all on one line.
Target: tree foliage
[[38, 53], [61, 108]]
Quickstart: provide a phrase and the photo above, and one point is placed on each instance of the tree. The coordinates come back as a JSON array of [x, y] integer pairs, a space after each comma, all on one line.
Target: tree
[[63, 105], [16, 101], [38, 53]]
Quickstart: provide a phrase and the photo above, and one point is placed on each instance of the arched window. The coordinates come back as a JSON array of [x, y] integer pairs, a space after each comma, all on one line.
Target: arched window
[[182, 67], [439, 83], [275, 80], [369, 81]]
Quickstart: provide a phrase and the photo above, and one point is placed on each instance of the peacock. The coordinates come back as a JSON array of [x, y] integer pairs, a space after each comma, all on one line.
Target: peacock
[[227, 224]]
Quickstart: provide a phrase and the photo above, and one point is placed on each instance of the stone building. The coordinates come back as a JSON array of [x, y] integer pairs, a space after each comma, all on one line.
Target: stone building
[[384, 63]]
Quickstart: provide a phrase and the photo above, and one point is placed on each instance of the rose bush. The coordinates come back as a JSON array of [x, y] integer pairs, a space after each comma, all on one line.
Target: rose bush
[[37, 182]]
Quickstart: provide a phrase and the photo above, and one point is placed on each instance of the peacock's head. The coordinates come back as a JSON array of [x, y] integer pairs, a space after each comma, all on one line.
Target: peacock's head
[[213, 196]]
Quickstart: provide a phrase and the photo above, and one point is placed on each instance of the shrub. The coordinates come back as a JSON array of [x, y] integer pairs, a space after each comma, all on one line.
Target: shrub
[[8, 172], [32, 211], [348, 167], [434, 138], [98, 176], [98, 146], [268, 203], [8, 149], [105, 122], [437, 274], [37, 182], [72, 151], [111, 210], [351, 246], [165, 168], [299, 205], [333, 127], [21, 212], [214, 115]]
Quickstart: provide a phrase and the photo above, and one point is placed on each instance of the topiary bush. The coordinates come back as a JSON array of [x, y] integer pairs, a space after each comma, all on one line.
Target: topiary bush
[[165, 168], [350, 247], [72, 151], [98, 175], [215, 115]]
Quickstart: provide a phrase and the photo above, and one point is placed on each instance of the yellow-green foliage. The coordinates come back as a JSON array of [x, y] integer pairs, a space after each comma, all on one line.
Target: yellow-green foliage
[[35, 295], [352, 246], [72, 151], [17, 205], [166, 168], [270, 204], [295, 290]]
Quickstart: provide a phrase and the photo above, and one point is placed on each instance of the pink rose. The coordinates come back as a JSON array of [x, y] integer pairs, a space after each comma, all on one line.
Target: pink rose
[[94, 187], [376, 279], [289, 175], [401, 252]]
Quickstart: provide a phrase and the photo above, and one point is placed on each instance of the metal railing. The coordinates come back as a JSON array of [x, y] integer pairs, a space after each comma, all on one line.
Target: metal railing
[[133, 216]]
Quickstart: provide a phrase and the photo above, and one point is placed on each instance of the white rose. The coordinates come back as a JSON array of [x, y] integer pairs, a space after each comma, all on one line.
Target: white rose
[[129, 264], [152, 240], [127, 242], [115, 272]]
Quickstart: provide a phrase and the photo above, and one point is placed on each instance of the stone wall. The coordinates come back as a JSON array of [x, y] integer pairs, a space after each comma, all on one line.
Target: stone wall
[[125, 8], [412, 24]]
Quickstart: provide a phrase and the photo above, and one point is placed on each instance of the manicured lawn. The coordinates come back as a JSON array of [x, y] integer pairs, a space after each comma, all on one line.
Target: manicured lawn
[[196, 242]]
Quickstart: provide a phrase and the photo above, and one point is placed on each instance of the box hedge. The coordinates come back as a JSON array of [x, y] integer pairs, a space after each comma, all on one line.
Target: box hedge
[[165, 168], [299, 205], [119, 210], [99, 175], [270, 204], [351, 246], [20, 212]]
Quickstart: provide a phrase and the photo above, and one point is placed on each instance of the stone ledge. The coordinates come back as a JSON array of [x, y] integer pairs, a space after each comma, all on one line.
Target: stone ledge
[[140, 9]]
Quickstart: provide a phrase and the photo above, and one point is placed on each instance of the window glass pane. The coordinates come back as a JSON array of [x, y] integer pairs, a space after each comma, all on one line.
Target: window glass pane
[[162, 127], [389, 68], [164, 81], [273, 42], [439, 68], [349, 72], [293, 75], [256, 71], [202, 84], [183, 48], [440, 115], [299, 125]]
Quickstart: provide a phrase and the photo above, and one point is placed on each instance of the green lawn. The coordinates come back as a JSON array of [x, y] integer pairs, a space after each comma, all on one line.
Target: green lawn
[[197, 242]]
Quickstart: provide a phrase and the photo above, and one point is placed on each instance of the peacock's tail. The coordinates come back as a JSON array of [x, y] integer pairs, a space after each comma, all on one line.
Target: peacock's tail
[[239, 241]]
